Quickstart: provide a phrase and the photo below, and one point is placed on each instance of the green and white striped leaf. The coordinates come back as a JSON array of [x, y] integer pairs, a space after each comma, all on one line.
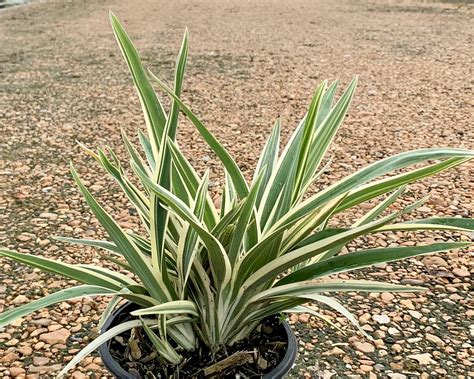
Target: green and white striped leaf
[[304, 288], [63, 269], [228, 162], [131, 252], [152, 109], [67, 294], [171, 307], [365, 258]]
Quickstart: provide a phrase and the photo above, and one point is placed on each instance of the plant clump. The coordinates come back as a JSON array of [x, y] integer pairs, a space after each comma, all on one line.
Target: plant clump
[[208, 277]]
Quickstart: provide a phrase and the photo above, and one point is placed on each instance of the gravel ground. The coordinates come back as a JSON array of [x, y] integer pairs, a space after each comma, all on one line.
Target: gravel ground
[[63, 79]]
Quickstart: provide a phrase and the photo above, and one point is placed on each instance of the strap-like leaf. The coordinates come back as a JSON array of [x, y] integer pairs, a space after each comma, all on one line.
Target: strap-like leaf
[[355, 181], [284, 262], [457, 223], [106, 245], [64, 269], [229, 163], [268, 157], [365, 258], [218, 258], [152, 109], [188, 242], [171, 307], [57, 297], [383, 186], [313, 287], [238, 235], [338, 307], [380, 208], [131, 252], [102, 338], [161, 345]]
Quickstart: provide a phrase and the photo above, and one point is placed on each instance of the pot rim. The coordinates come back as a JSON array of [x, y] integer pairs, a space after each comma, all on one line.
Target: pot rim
[[279, 371]]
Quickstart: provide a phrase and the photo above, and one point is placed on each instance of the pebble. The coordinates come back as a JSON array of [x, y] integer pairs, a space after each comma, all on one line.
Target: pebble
[[40, 361], [435, 339], [364, 347], [393, 331], [407, 303], [423, 359], [12, 342], [9, 357], [381, 319], [16, 371], [57, 336], [335, 351], [303, 318], [460, 272], [78, 375], [387, 297], [20, 299], [415, 314], [435, 261]]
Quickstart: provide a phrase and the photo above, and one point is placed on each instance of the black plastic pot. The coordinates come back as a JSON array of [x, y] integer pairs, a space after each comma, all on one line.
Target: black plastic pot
[[122, 314]]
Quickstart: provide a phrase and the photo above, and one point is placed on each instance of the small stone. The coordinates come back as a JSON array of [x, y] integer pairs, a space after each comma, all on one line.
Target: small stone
[[396, 366], [364, 347], [397, 348], [12, 342], [366, 368], [303, 318], [423, 359], [393, 331], [20, 299], [58, 336], [41, 322], [415, 314], [16, 371], [407, 303], [379, 334], [54, 327], [10, 357], [424, 209], [49, 216], [78, 375], [17, 322], [25, 350], [24, 237], [387, 297], [434, 261], [37, 332], [462, 273], [334, 351], [76, 328], [5, 336], [40, 361], [93, 367], [293, 318], [434, 339], [381, 319], [365, 318]]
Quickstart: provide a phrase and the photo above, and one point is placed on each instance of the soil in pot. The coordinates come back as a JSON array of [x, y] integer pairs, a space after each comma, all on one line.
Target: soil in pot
[[252, 357]]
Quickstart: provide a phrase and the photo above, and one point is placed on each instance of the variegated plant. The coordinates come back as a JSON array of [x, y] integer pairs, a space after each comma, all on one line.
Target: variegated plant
[[208, 276]]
